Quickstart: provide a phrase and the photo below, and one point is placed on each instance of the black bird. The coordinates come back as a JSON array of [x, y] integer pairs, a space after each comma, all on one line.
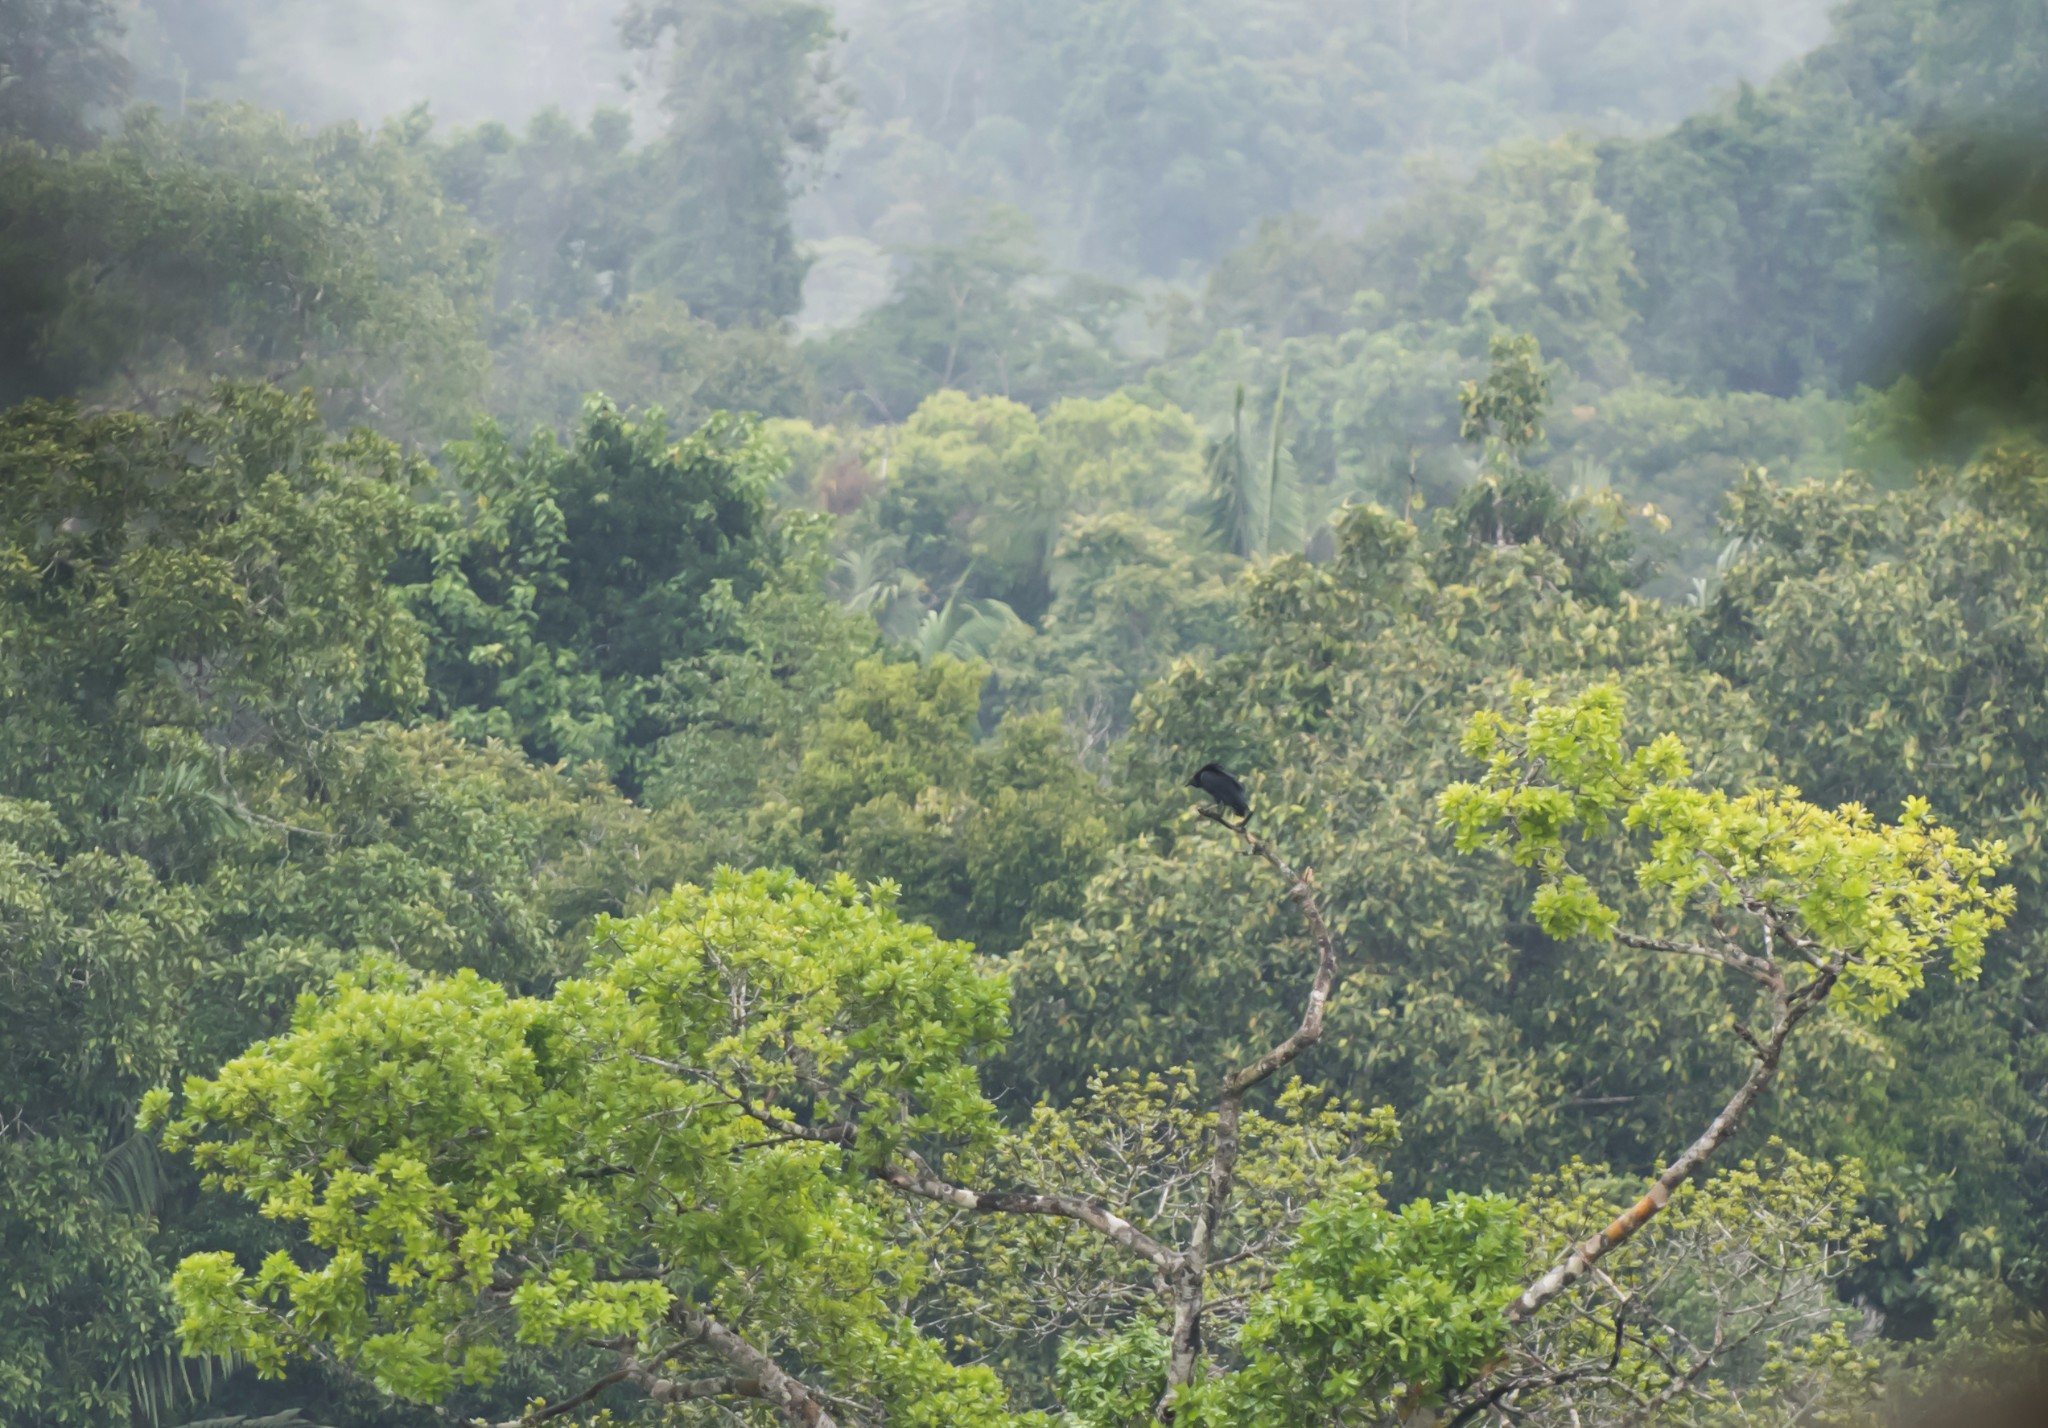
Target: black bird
[[1226, 790]]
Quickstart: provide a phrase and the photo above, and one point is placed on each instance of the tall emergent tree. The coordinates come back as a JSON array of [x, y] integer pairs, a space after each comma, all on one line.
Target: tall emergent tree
[[749, 103]]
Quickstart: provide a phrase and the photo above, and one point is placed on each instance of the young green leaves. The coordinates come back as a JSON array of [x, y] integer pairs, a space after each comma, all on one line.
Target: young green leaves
[[688, 1129], [1817, 888]]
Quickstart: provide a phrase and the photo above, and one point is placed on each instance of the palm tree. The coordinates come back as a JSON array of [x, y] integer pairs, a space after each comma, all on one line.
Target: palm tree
[[1255, 505]]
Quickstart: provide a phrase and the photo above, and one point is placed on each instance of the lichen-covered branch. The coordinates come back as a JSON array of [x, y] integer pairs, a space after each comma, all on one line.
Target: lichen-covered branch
[[923, 1184], [1788, 1010], [800, 1405], [643, 1374]]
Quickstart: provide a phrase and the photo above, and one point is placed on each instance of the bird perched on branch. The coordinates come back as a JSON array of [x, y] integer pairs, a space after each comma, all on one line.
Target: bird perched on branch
[[1220, 786]]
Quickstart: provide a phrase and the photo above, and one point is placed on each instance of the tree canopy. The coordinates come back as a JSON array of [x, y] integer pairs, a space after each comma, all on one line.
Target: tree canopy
[[600, 659]]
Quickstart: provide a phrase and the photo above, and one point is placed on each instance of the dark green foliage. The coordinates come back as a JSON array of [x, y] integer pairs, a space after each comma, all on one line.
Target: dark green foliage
[[196, 609], [218, 576], [227, 244], [1898, 641], [580, 571], [1372, 1302], [566, 205], [282, 704], [745, 110], [60, 68], [1981, 362], [1770, 251]]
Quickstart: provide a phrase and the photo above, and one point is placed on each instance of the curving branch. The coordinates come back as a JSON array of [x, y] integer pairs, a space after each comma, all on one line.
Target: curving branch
[[1757, 969], [800, 1406], [1189, 1279], [1184, 1271], [760, 1377], [1788, 1009], [920, 1182]]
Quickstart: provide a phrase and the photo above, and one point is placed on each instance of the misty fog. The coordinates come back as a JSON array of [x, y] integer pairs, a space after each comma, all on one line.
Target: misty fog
[[939, 105]]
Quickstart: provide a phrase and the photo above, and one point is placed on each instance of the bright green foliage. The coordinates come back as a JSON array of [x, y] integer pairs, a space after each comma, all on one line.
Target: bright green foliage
[[1114, 1381], [472, 1170], [1885, 899], [584, 570], [1371, 1303]]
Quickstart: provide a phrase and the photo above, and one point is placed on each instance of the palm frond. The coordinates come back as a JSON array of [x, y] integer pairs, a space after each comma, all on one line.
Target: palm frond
[[1256, 501], [163, 1378], [132, 1176], [873, 580], [1284, 504], [964, 629]]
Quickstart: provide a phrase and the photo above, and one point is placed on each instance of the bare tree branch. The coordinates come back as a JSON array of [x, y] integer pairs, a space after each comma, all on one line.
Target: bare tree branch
[[918, 1180], [801, 1406], [633, 1368], [1727, 954], [1189, 1278], [1788, 1010], [663, 1390], [1465, 1410], [923, 1184], [760, 1377]]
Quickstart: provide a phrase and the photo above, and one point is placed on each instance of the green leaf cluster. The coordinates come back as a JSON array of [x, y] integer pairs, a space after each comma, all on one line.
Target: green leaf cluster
[[471, 1171]]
